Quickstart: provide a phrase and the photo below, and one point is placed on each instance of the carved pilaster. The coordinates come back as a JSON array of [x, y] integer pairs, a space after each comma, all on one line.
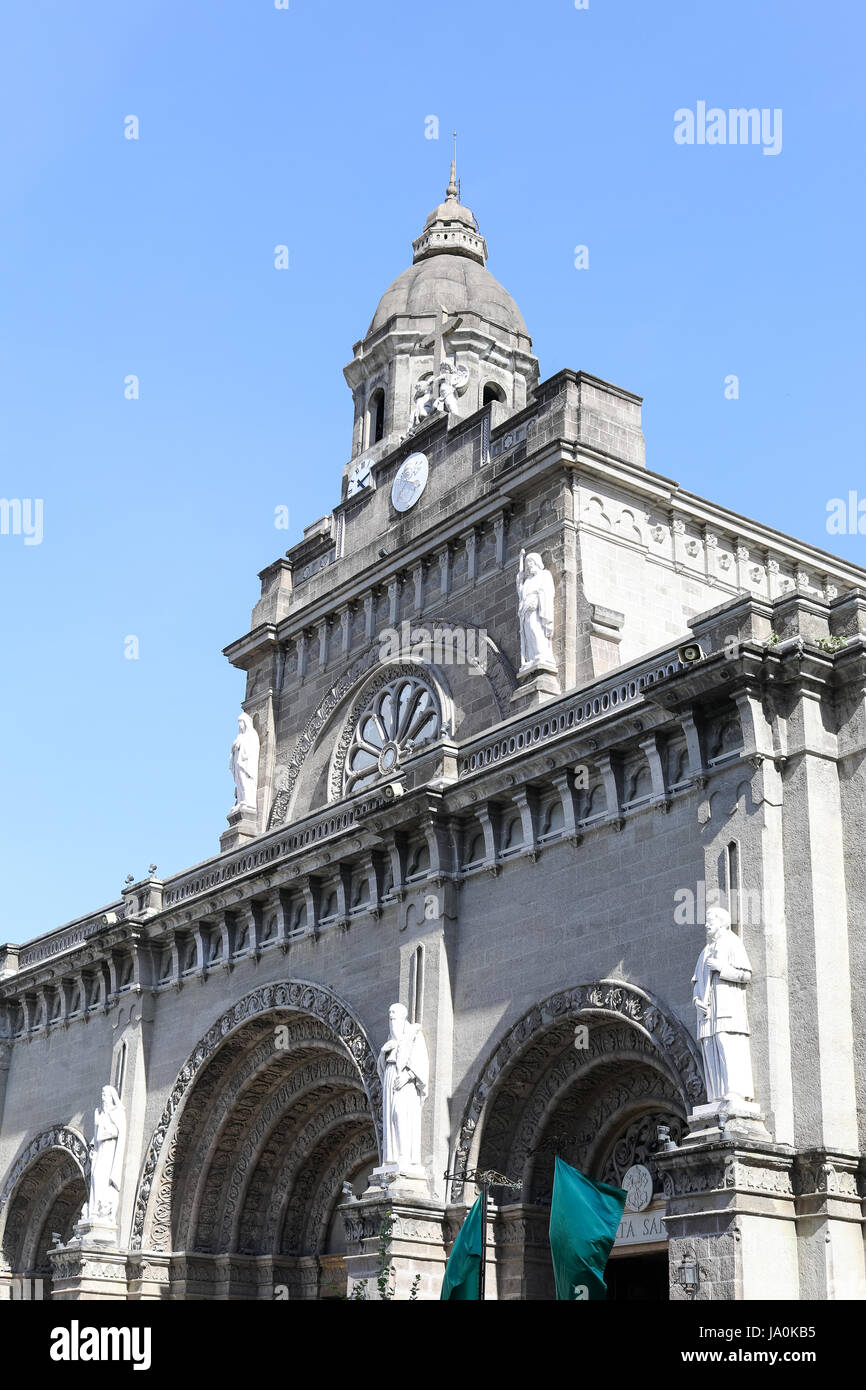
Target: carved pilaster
[[301, 643], [445, 571], [500, 527], [490, 817], [470, 540], [527, 803], [418, 581]]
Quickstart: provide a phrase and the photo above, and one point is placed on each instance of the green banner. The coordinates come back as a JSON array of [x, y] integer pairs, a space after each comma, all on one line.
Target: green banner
[[584, 1216], [463, 1270]]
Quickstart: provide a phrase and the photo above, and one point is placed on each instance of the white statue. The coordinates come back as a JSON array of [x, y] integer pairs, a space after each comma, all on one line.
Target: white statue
[[422, 404], [720, 979], [404, 1069], [451, 384], [535, 614], [244, 762], [106, 1159]]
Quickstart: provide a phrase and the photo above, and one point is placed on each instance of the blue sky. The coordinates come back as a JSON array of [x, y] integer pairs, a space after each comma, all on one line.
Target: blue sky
[[306, 127]]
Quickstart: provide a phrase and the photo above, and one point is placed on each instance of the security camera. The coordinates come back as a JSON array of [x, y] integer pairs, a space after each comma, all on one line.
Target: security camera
[[392, 790], [689, 653]]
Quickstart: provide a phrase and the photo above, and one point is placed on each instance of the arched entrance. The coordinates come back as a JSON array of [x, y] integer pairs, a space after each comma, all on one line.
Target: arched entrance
[[589, 1074], [41, 1200], [275, 1110]]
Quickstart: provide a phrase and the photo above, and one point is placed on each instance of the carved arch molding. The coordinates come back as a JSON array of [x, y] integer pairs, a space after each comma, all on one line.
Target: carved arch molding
[[43, 1192], [237, 1047], [533, 1065]]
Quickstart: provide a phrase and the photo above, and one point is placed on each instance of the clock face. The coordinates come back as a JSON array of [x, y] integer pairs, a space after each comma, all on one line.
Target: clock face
[[409, 482], [360, 476]]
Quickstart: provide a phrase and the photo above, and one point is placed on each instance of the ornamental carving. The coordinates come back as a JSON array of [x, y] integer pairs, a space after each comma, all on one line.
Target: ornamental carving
[[818, 1174], [397, 712], [521, 1051], [151, 1228], [639, 1144], [60, 1137]]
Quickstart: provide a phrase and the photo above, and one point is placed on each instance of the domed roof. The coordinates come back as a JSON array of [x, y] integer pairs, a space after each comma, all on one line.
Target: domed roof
[[451, 281], [451, 211], [448, 271]]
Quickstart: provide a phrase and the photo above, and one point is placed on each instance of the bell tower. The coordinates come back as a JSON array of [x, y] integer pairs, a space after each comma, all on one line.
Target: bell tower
[[446, 339]]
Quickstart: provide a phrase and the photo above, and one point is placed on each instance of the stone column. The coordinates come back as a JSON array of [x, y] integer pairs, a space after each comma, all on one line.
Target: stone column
[[520, 1246], [829, 1226], [88, 1272], [414, 1246], [148, 1277], [731, 1215]]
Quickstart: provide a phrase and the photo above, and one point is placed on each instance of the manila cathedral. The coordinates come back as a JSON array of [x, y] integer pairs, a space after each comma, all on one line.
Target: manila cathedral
[[545, 842]]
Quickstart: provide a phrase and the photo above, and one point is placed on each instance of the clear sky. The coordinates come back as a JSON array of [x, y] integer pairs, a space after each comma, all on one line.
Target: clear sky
[[306, 127]]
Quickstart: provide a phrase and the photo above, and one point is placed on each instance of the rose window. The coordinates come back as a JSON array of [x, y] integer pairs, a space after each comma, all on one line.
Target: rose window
[[399, 717]]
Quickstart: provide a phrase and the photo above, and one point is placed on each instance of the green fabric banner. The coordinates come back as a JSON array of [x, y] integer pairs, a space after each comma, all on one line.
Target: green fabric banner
[[584, 1217], [463, 1269]]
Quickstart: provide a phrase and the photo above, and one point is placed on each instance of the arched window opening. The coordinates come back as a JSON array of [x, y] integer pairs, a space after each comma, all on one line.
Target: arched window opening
[[416, 984], [492, 392], [732, 884], [377, 416]]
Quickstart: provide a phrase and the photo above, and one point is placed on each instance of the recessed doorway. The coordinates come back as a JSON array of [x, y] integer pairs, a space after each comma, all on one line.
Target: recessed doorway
[[637, 1278]]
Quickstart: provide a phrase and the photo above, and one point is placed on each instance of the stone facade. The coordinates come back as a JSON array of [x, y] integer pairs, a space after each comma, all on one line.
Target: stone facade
[[526, 894]]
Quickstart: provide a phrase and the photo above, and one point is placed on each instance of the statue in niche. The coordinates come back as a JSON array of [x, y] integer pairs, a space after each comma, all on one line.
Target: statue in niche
[[404, 1069], [720, 979], [451, 383], [422, 404], [535, 593], [106, 1159], [244, 763], [436, 393]]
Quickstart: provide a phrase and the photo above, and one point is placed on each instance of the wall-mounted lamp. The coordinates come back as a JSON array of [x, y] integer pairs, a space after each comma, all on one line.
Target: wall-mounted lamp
[[688, 1273]]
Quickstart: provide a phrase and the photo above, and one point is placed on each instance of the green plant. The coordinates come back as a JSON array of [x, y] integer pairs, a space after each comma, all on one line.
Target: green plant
[[831, 643], [385, 1271]]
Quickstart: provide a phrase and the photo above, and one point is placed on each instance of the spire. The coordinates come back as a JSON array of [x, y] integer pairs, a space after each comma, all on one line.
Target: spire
[[451, 228], [451, 191]]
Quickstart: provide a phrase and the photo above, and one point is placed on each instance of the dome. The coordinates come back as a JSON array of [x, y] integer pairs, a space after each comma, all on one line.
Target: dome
[[455, 282], [449, 271], [451, 211]]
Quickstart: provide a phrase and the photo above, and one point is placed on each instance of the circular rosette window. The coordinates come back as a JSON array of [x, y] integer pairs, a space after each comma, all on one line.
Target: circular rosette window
[[395, 721]]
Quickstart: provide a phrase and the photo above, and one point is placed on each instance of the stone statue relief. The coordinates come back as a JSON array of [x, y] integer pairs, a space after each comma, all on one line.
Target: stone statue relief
[[422, 403], [404, 1069], [452, 382], [106, 1159], [720, 979], [437, 394], [535, 593], [244, 763]]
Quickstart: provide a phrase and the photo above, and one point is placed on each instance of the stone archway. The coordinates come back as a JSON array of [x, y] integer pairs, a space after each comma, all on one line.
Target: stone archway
[[588, 1074], [274, 1110], [42, 1196]]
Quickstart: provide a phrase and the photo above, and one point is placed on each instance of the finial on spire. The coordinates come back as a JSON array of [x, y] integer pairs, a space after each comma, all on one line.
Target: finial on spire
[[451, 191]]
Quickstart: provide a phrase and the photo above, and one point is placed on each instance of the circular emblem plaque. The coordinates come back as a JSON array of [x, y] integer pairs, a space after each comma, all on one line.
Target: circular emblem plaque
[[638, 1183], [409, 482]]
